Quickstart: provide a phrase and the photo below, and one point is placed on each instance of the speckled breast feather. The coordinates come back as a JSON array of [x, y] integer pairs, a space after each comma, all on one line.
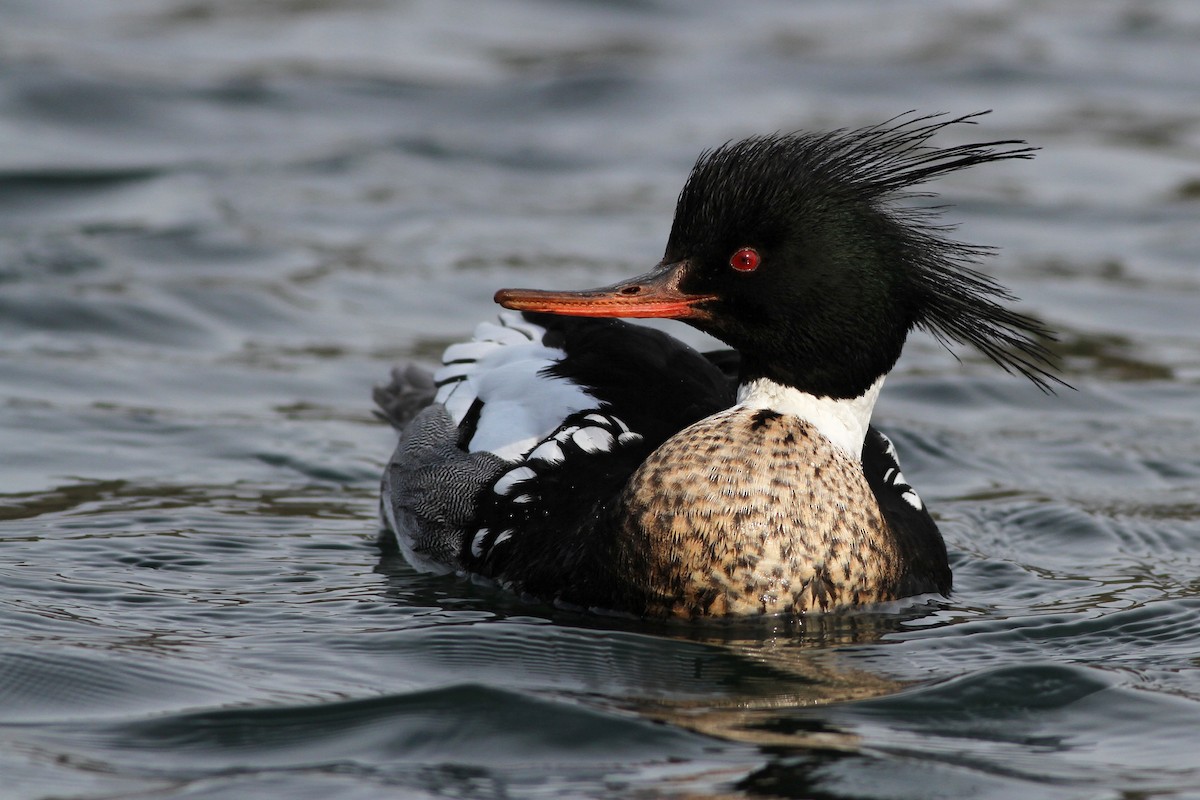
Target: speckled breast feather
[[753, 512]]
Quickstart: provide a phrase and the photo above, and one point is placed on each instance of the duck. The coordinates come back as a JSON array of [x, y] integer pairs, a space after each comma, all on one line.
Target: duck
[[578, 459]]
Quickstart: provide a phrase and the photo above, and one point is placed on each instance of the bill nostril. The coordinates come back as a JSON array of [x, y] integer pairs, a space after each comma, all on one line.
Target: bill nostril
[[631, 290]]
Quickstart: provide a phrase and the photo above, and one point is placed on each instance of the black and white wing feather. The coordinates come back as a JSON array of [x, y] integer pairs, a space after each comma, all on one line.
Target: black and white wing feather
[[915, 531], [541, 419]]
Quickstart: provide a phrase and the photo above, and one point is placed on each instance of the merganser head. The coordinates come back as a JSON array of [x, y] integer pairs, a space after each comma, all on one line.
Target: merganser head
[[792, 250]]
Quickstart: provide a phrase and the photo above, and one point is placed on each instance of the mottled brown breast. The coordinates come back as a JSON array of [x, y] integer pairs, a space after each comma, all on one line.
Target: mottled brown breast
[[753, 512]]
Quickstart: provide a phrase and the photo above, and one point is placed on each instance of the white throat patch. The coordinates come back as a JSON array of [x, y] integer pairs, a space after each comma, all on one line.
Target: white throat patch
[[843, 422]]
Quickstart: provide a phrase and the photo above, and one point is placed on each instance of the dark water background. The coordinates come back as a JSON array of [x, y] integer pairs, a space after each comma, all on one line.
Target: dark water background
[[221, 222]]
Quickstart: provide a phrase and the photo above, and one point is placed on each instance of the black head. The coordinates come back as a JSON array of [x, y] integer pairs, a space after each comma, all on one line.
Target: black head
[[795, 250], [819, 274]]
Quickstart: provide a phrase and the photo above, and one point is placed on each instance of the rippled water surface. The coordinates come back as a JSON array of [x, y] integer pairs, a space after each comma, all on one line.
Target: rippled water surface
[[221, 223]]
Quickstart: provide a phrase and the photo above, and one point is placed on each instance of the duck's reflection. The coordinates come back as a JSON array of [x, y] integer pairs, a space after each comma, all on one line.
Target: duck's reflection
[[752, 681]]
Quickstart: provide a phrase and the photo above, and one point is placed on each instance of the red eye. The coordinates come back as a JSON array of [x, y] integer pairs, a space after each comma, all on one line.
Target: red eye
[[745, 260]]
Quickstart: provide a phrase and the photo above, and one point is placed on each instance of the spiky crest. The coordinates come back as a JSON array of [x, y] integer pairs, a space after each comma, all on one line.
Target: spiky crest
[[784, 176]]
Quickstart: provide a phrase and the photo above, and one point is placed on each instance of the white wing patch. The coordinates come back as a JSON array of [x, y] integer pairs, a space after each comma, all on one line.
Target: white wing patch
[[502, 366]]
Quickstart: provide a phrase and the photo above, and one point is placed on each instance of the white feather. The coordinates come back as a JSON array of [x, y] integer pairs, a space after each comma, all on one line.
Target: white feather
[[521, 406], [890, 448], [843, 422], [477, 542], [516, 322], [451, 371], [457, 398], [511, 478], [565, 433], [593, 440], [501, 334], [468, 351], [549, 451]]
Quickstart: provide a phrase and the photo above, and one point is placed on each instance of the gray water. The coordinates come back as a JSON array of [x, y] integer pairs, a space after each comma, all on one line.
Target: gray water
[[221, 223]]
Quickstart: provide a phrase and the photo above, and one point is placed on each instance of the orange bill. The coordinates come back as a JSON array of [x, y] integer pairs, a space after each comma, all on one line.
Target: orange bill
[[655, 294]]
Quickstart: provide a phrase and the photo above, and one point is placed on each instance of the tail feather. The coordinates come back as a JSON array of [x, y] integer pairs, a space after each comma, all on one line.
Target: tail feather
[[410, 390]]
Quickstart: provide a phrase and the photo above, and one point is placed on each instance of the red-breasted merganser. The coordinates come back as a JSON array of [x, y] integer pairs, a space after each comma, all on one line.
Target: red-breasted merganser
[[594, 463]]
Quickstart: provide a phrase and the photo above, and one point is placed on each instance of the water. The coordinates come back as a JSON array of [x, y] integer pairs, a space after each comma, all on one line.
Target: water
[[222, 223]]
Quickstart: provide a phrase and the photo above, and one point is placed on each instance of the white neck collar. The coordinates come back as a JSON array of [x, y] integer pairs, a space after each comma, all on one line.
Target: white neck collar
[[843, 422]]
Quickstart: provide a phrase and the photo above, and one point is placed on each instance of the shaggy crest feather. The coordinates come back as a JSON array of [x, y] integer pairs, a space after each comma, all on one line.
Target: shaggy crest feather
[[761, 182]]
